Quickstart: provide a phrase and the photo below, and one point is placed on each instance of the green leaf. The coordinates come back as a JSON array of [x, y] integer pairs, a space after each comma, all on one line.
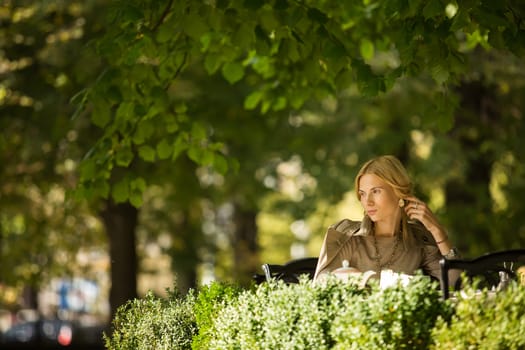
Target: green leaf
[[366, 49], [101, 115], [113, 94], [101, 188], [88, 169], [130, 13], [233, 72], [194, 26], [198, 131], [165, 32], [180, 146], [433, 8], [264, 67], [234, 165], [279, 104], [367, 82], [125, 112], [164, 149], [439, 73], [207, 157], [147, 153], [212, 62], [312, 71], [291, 49], [263, 43], [298, 98], [124, 156], [138, 184], [267, 20], [181, 107], [265, 106], [244, 36], [195, 153], [253, 99], [461, 20], [316, 15], [136, 199], [120, 191], [144, 130], [220, 164], [343, 79], [171, 123]]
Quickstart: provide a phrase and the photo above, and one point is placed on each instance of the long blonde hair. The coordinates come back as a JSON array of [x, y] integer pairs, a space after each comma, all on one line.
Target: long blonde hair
[[389, 169]]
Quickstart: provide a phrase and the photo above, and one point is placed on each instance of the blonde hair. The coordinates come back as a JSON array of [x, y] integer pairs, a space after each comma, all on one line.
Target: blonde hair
[[389, 169]]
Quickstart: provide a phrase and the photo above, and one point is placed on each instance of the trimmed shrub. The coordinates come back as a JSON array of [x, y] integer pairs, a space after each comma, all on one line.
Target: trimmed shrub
[[484, 321], [153, 323], [209, 302], [398, 317], [280, 316], [333, 315]]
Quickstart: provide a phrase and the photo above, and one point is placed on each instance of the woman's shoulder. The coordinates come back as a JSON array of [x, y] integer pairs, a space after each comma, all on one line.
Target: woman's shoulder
[[346, 226], [421, 234]]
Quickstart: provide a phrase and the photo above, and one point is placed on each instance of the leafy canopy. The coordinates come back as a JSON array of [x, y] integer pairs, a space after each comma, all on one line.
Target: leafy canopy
[[286, 53]]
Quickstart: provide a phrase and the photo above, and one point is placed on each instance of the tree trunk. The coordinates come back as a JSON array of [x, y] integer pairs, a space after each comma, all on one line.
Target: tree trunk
[[185, 257], [120, 221], [468, 199], [246, 250]]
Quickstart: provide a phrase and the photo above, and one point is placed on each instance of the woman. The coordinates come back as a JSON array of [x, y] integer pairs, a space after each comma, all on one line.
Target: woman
[[398, 232]]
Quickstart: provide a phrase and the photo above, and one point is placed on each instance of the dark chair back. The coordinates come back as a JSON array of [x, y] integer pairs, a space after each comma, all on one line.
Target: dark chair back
[[493, 270], [290, 271]]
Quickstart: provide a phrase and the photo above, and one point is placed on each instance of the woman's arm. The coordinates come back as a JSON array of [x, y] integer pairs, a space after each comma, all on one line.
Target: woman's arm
[[418, 210]]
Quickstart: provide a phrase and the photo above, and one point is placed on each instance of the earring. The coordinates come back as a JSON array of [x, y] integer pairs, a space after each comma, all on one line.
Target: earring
[[401, 202]]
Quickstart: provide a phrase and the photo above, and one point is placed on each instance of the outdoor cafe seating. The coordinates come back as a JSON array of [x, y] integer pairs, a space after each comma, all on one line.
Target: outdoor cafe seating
[[288, 272], [492, 270]]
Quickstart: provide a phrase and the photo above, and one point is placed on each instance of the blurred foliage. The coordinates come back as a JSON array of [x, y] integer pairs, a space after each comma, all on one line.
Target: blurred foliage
[[42, 64], [283, 53], [196, 111]]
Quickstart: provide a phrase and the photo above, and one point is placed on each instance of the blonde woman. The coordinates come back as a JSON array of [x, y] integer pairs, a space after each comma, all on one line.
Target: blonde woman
[[399, 232]]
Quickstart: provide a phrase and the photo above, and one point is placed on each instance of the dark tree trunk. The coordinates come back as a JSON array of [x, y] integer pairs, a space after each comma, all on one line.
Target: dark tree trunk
[[246, 250], [120, 221], [185, 258], [468, 199]]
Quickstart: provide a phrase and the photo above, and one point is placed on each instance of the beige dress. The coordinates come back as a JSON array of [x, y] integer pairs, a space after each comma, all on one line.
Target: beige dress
[[344, 242]]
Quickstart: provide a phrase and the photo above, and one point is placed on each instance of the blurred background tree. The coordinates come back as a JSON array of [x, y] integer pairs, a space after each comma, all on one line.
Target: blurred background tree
[[222, 134], [42, 64]]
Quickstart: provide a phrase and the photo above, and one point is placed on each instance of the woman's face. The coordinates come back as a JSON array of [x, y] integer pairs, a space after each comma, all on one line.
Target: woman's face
[[378, 198]]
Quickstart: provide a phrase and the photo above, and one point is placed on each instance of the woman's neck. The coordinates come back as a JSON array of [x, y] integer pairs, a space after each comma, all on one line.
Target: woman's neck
[[387, 230], [390, 226]]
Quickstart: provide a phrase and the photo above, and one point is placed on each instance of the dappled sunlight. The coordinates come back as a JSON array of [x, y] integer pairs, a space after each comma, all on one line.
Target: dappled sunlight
[[350, 207], [499, 180], [293, 181], [422, 143]]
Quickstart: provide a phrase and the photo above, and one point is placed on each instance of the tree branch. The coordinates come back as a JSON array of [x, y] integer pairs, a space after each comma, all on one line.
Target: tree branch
[[163, 16]]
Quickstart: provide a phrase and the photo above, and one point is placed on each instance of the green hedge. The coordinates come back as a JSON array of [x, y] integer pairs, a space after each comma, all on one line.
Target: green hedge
[[333, 315]]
